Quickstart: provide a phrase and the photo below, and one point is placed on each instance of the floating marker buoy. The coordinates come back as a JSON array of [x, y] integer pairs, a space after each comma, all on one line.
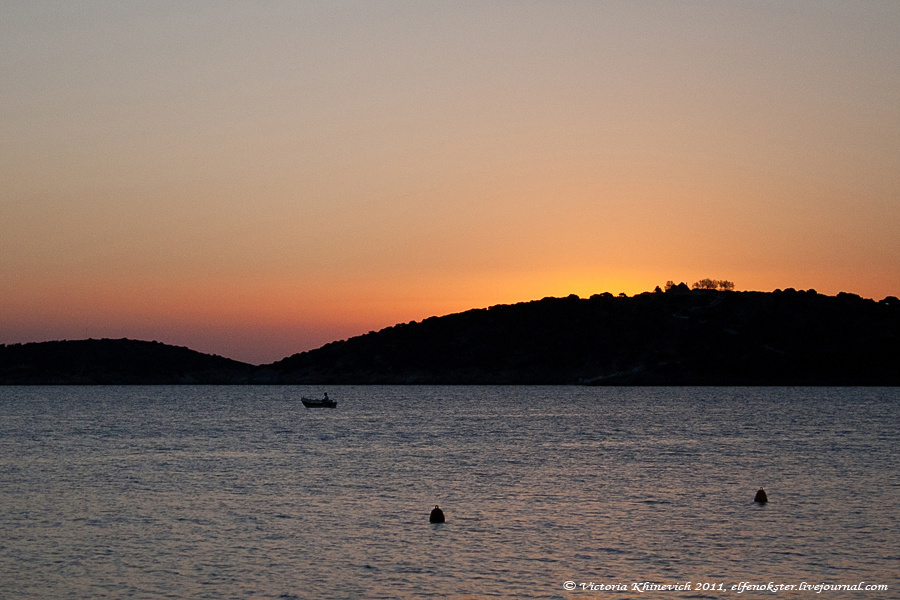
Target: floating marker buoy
[[437, 515], [761, 496]]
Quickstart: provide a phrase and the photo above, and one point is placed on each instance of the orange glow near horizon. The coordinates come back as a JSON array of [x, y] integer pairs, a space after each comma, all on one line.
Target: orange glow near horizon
[[265, 324]]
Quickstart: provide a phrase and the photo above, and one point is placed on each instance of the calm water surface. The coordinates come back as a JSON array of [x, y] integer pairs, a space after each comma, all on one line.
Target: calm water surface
[[241, 492]]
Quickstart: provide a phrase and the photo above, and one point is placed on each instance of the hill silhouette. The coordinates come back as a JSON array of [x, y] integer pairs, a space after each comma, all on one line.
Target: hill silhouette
[[115, 362], [677, 337], [680, 337]]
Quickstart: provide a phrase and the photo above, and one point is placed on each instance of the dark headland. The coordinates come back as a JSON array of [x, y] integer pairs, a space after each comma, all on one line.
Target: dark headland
[[676, 337], [115, 362]]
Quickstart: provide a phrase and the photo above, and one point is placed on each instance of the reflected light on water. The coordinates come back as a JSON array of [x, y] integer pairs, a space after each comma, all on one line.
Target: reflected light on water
[[209, 492]]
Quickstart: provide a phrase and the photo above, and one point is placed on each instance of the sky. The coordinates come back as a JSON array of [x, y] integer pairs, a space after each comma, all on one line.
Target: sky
[[258, 178]]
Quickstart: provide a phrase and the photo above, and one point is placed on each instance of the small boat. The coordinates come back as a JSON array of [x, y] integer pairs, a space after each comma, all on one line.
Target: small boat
[[325, 402]]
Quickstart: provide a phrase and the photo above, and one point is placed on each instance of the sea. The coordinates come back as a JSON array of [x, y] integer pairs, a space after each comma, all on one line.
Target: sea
[[549, 492]]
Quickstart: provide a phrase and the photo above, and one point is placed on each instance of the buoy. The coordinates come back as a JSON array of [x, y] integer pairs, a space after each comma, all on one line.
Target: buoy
[[761, 496], [437, 515]]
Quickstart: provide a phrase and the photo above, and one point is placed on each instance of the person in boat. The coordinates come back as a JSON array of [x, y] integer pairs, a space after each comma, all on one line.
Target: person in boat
[[326, 396], [437, 515]]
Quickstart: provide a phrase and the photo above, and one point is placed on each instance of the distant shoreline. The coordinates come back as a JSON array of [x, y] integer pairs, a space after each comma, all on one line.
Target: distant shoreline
[[676, 338]]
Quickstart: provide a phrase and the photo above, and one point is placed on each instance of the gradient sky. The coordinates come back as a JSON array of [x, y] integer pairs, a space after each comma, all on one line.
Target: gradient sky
[[257, 178]]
